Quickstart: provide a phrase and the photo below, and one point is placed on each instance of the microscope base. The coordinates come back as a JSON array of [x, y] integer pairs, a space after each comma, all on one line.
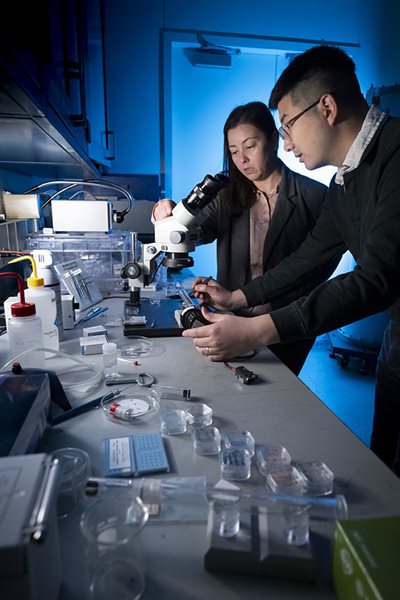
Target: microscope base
[[160, 319]]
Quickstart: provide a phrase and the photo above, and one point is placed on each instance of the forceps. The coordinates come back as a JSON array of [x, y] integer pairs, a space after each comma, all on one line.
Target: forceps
[[143, 379]]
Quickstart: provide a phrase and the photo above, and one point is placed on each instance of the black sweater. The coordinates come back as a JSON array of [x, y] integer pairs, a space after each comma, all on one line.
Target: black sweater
[[362, 216]]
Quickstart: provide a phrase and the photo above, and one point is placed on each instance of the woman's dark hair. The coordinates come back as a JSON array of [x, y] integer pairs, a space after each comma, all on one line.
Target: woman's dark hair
[[240, 192]]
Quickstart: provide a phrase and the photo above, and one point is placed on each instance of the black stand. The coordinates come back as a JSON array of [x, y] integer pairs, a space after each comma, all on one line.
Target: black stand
[[259, 549]]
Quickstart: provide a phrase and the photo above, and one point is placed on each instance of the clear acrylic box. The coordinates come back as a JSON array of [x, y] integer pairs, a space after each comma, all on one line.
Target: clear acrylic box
[[235, 464], [319, 478], [206, 440], [199, 415], [240, 439], [270, 456], [286, 479]]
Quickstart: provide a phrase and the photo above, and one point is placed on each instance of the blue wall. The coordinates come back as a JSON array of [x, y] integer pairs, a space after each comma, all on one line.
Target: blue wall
[[134, 52]]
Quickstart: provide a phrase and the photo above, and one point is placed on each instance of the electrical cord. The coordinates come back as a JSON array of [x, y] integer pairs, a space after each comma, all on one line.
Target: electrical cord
[[69, 184]]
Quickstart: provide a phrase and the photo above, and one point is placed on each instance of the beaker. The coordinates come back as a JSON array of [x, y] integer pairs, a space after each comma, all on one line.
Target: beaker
[[75, 467], [111, 528]]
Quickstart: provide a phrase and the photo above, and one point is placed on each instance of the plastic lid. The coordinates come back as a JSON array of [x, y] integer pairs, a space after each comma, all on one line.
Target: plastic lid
[[109, 348], [35, 281], [23, 309]]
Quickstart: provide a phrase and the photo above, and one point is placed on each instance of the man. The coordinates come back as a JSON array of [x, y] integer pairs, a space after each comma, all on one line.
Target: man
[[326, 120]]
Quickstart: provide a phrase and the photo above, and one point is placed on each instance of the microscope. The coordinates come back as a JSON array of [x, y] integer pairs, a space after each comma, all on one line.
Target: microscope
[[174, 237]]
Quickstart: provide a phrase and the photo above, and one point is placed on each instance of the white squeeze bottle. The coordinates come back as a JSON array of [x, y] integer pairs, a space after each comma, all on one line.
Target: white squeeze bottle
[[46, 308], [24, 329], [45, 269]]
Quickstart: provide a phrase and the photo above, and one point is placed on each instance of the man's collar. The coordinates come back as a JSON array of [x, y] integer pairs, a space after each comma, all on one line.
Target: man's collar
[[373, 120]]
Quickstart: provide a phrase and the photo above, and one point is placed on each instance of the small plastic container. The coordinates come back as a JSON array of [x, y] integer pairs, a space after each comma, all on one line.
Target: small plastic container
[[199, 415], [75, 467], [206, 440], [240, 439], [225, 517], [319, 478], [173, 421], [139, 405], [286, 479], [271, 456], [235, 464], [110, 368], [296, 525]]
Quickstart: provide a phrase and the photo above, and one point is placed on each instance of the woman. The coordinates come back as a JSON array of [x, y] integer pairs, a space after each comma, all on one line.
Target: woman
[[261, 216]]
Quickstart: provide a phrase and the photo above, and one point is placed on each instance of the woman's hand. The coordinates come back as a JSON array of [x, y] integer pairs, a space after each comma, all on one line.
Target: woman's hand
[[228, 336], [209, 291], [162, 209]]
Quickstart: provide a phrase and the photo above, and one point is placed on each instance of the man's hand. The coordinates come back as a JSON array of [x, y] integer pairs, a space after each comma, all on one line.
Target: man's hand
[[162, 209], [229, 336], [214, 294]]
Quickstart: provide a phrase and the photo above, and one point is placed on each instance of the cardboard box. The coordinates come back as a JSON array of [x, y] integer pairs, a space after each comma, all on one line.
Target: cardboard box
[[366, 559]]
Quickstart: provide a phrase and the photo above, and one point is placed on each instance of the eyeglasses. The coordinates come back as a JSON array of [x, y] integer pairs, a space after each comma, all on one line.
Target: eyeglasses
[[284, 129]]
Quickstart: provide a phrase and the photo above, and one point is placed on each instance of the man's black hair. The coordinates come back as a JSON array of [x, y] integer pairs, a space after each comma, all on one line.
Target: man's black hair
[[319, 70]]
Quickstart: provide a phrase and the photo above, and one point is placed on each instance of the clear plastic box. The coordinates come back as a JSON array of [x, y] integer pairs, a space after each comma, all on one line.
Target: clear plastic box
[[319, 478], [271, 456], [199, 415], [173, 421], [240, 439], [103, 255], [206, 440], [235, 464], [286, 479]]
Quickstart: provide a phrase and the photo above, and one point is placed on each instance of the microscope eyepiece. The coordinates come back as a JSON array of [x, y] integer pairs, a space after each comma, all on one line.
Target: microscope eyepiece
[[204, 192]]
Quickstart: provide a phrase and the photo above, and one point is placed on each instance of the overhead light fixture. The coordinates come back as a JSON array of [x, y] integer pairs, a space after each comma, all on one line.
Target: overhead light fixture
[[210, 55]]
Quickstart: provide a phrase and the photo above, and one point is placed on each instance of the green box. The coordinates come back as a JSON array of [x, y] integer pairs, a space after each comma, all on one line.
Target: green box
[[366, 559]]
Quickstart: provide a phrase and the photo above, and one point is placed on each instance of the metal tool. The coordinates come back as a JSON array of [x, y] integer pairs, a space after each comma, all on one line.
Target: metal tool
[[143, 379]]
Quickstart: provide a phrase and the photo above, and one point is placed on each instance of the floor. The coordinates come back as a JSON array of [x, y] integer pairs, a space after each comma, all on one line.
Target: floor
[[345, 390]]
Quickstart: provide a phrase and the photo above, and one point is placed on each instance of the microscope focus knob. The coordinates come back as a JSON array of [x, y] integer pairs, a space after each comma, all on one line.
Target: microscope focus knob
[[131, 270], [176, 237]]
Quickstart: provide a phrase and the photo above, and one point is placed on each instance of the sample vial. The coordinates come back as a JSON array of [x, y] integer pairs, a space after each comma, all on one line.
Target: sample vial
[[121, 412], [172, 393], [296, 525], [110, 368]]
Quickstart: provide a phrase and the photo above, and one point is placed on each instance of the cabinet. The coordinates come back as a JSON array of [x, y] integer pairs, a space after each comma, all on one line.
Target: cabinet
[[53, 112]]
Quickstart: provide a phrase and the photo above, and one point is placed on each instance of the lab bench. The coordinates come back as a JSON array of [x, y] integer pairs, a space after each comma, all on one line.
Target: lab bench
[[277, 409]]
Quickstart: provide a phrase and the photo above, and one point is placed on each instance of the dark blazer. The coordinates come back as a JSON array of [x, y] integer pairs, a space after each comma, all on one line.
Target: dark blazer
[[298, 206]]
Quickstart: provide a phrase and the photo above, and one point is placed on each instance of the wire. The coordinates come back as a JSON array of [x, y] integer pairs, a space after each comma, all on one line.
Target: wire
[[69, 184]]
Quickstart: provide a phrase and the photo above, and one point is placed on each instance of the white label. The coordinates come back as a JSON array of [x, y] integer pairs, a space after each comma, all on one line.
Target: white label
[[119, 453]]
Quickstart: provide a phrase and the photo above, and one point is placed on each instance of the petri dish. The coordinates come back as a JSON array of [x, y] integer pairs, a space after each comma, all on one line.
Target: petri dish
[[131, 408], [133, 348]]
